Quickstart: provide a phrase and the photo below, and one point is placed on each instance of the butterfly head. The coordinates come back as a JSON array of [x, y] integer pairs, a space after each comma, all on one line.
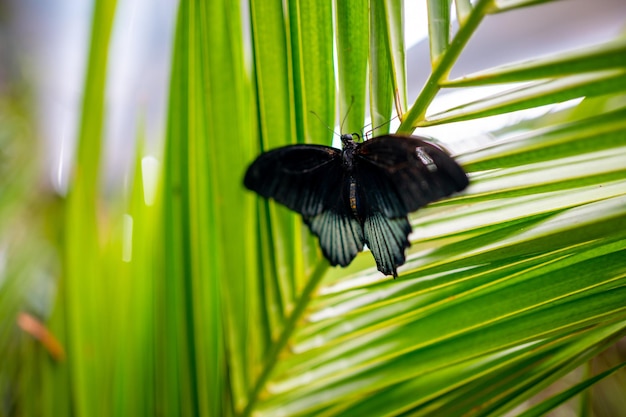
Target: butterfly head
[[348, 140]]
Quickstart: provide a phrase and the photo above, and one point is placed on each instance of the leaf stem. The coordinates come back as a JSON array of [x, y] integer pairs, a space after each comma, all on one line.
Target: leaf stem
[[303, 302], [442, 67]]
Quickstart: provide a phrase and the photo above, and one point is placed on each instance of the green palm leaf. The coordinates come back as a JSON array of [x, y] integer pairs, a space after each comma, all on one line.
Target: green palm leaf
[[221, 303], [527, 264]]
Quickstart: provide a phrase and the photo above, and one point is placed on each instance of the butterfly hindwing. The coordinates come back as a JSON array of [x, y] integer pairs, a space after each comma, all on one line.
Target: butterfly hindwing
[[302, 177], [401, 174], [387, 238], [340, 233]]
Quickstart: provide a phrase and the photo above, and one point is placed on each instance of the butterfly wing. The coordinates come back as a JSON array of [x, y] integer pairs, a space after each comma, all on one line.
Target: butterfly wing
[[302, 177], [311, 180], [400, 174], [387, 238], [340, 233]]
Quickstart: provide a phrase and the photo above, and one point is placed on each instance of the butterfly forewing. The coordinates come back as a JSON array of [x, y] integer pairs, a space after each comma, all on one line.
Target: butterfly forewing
[[302, 177], [408, 171]]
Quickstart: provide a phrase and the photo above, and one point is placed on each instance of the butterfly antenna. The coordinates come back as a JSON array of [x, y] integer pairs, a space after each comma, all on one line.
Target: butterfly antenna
[[324, 124], [380, 125], [346, 116]]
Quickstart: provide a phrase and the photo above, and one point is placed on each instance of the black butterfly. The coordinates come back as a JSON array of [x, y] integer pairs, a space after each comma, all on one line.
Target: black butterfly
[[359, 195]]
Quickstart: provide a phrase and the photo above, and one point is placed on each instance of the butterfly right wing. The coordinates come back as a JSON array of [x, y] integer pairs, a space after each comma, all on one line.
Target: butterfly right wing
[[302, 177], [401, 174], [398, 175], [387, 238]]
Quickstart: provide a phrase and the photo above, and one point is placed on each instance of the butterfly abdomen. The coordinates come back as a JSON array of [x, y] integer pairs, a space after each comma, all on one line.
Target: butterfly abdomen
[[352, 196]]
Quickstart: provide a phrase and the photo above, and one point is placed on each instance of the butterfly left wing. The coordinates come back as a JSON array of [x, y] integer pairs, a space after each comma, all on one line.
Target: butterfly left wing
[[339, 231], [400, 174], [310, 179], [302, 177]]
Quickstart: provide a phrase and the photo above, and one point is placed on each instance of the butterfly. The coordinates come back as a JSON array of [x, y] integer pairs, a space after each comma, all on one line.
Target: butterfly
[[360, 195]]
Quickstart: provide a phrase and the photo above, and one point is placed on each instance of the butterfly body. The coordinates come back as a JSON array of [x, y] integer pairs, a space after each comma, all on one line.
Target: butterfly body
[[360, 195]]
